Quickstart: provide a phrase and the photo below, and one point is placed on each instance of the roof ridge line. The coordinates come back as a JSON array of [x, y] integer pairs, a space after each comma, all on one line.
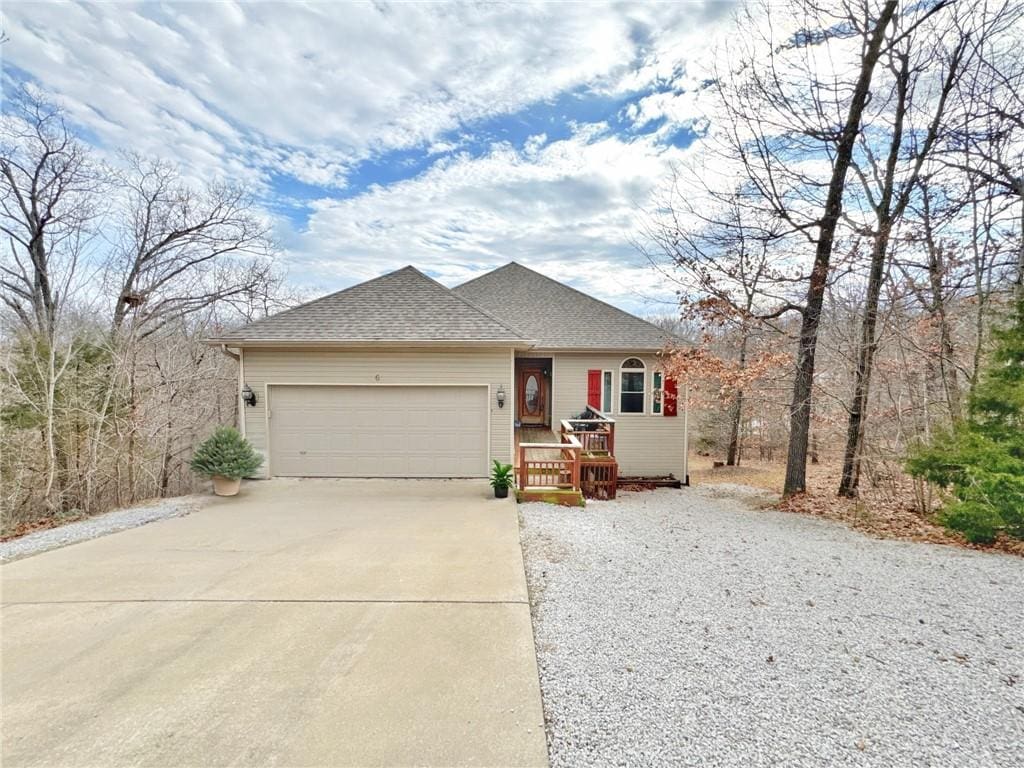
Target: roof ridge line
[[621, 311], [489, 273], [318, 299], [474, 306]]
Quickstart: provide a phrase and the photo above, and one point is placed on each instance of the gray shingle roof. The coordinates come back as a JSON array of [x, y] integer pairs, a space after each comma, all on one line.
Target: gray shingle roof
[[405, 305], [556, 316]]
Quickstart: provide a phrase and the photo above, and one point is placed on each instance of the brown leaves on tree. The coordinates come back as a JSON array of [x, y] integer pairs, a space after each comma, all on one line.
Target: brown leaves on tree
[[714, 379]]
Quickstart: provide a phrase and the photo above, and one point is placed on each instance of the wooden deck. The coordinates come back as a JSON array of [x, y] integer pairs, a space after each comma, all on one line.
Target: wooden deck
[[584, 465], [537, 435]]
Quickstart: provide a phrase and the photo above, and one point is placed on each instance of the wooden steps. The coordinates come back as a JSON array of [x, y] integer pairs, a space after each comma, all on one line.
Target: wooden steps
[[566, 497]]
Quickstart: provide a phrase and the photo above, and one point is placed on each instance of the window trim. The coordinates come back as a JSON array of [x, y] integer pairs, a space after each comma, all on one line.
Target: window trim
[[610, 374], [657, 386], [643, 387]]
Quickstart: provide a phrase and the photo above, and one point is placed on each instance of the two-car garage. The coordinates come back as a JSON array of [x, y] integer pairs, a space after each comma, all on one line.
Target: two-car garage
[[378, 430], [395, 377]]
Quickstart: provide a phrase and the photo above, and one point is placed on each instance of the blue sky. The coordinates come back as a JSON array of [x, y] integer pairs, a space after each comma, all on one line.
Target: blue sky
[[453, 137]]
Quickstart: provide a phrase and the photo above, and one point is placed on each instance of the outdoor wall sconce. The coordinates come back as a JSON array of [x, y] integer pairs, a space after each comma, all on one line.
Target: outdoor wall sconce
[[501, 396], [248, 396]]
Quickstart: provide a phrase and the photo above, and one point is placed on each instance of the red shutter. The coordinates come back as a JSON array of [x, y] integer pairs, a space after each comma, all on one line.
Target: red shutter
[[671, 405], [594, 389]]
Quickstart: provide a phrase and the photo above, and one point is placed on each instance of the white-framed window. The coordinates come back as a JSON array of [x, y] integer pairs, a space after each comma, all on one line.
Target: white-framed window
[[606, 391], [657, 392], [632, 385]]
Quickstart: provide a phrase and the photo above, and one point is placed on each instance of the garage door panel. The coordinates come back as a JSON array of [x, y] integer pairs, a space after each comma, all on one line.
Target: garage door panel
[[345, 431]]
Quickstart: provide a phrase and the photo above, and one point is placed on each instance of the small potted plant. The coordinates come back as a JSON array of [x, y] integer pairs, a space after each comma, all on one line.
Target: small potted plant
[[226, 457], [502, 479]]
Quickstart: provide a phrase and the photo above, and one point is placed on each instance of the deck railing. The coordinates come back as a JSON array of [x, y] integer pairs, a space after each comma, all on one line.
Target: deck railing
[[598, 467], [585, 454], [596, 432], [546, 471], [599, 477]]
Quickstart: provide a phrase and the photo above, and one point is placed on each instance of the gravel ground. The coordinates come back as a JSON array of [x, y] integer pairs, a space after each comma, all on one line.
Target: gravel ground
[[685, 627], [94, 527]]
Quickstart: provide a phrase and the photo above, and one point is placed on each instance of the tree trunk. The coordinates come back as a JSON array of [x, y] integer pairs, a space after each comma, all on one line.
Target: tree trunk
[[885, 214], [732, 458], [1019, 288], [43, 299], [862, 375], [98, 427], [165, 461], [803, 383], [49, 499], [980, 292], [131, 428], [947, 369], [947, 360]]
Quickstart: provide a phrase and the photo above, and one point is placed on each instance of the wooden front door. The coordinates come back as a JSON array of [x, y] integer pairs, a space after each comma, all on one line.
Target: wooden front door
[[531, 387]]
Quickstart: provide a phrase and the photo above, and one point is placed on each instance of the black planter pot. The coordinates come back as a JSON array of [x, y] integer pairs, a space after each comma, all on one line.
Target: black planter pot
[[501, 493]]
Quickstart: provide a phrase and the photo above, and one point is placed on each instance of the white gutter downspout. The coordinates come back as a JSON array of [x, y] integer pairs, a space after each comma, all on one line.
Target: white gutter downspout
[[239, 405], [686, 435]]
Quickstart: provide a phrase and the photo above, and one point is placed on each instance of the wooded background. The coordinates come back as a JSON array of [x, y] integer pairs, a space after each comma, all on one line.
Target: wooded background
[[842, 239], [849, 232], [111, 276]]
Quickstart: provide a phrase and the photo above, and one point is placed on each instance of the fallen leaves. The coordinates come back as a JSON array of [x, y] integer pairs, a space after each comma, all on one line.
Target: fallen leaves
[[16, 528], [887, 513]]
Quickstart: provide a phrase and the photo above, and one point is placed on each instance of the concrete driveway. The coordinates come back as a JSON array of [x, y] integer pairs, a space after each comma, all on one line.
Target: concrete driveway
[[305, 622]]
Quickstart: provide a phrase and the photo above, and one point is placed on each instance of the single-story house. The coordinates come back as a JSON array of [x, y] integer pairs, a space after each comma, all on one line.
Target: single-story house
[[401, 376]]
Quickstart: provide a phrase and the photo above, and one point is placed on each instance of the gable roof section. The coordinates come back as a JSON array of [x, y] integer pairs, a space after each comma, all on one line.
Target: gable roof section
[[556, 316], [401, 306]]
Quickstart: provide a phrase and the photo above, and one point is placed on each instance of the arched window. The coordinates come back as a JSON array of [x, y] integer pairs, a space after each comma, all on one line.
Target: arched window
[[632, 385]]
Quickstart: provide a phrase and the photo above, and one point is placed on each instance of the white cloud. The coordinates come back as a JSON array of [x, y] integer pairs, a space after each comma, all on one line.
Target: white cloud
[[259, 91], [568, 208], [357, 77]]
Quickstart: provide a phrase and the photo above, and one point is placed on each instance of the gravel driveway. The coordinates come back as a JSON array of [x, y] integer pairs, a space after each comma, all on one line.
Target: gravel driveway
[[686, 627]]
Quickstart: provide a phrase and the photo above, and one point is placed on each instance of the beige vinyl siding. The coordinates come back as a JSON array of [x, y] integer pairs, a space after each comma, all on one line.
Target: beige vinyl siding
[[491, 367], [645, 444]]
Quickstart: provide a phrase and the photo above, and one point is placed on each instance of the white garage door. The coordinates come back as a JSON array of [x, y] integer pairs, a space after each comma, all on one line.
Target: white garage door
[[329, 431]]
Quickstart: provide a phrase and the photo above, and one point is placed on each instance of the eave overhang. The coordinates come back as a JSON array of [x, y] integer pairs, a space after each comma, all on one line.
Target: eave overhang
[[368, 343]]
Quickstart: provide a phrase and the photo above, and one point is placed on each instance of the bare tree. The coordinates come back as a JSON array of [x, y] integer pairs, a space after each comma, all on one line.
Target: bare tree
[[888, 185], [180, 251], [106, 383], [48, 200], [800, 419], [47, 203], [778, 112], [722, 252], [988, 145]]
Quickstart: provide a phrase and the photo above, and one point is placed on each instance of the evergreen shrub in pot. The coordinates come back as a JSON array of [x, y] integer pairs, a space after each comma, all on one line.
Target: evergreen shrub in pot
[[226, 457]]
